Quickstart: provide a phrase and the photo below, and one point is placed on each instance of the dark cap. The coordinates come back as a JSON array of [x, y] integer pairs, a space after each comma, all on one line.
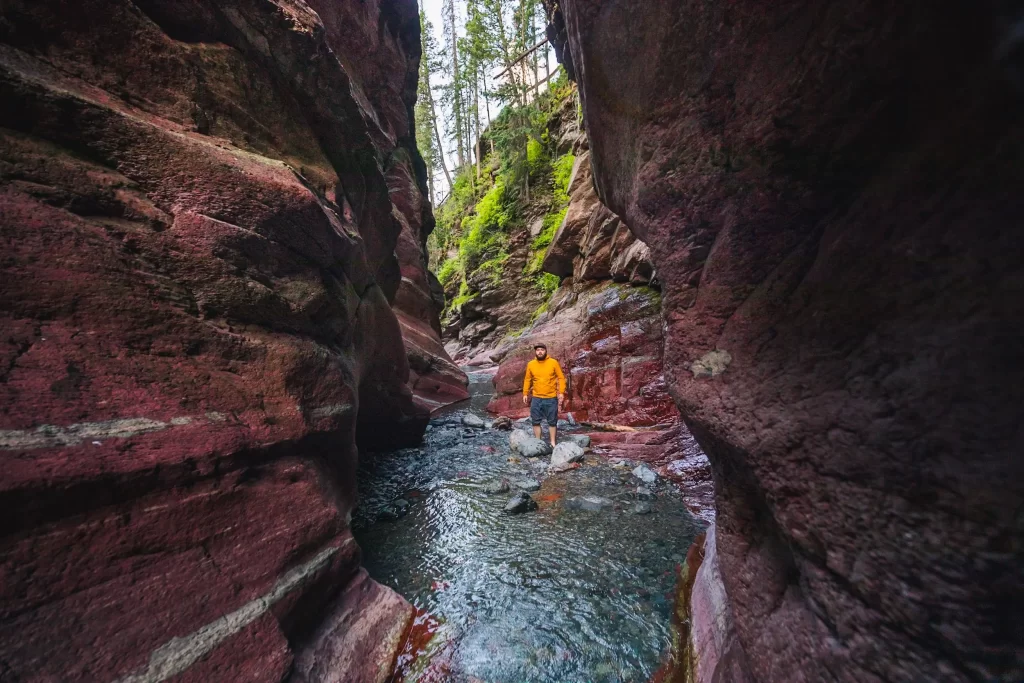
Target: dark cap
[[538, 345]]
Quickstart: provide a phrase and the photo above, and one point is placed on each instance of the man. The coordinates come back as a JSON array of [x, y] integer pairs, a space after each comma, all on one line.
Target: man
[[544, 376]]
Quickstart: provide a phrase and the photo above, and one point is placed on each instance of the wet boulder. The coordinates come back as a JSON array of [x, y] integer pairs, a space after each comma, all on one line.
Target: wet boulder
[[519, 503], [471, 420], [645, 474], [643, 508], [528, 445], [565, 453]]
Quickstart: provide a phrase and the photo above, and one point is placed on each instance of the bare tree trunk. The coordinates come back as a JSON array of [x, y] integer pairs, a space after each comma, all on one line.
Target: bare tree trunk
[[457, 99], [533, 41], [476, 118], [437, 134], [507, 49]]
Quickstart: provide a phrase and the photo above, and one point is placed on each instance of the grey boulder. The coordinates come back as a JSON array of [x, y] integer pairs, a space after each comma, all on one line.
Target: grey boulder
[[645, 474], [471, 420], [565, 453], [527, 445]]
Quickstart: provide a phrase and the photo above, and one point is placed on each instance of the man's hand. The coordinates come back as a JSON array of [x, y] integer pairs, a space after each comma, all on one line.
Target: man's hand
[[561, 401], [526, 399]]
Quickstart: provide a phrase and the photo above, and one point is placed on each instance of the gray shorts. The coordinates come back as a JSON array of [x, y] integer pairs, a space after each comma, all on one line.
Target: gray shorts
[[544, 409]]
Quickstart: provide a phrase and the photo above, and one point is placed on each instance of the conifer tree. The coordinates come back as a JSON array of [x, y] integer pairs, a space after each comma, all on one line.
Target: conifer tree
[[456, 83], [428, 134]]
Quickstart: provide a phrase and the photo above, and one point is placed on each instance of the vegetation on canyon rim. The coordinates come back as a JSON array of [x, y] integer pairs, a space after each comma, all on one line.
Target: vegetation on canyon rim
[[518, 175]]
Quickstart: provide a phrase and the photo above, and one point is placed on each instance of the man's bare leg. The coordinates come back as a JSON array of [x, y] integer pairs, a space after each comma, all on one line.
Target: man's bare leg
[[551, 430], [536, 431]]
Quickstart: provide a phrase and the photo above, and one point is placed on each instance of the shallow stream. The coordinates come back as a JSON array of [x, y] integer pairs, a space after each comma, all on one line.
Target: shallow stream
[[560, 594]]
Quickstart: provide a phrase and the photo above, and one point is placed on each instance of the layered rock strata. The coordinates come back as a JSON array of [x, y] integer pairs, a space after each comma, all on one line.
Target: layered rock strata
[[604, 327], [831, 198], [200, 209]]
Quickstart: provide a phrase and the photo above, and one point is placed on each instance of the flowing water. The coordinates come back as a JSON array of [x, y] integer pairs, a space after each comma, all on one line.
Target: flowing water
[[557, 595]]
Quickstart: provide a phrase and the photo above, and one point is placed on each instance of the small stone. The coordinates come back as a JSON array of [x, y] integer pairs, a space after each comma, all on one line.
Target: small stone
[[581, 440], [401, 505], [471, 420], [644, 493], [528, 485], [643, 508], [503, 423], [589, 503], [497, 487], [645, 474], [519, 503], [565, 453]]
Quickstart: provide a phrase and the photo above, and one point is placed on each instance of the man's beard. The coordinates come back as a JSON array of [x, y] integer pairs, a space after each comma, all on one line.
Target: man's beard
[[542, 356]]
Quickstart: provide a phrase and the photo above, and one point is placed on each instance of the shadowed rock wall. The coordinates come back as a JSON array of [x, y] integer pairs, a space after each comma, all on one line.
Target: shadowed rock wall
[[831, 195], [200, 208]]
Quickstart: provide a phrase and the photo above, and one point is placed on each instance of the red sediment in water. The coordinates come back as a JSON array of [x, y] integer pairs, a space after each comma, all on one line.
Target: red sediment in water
[[417, 635], [547, 497]]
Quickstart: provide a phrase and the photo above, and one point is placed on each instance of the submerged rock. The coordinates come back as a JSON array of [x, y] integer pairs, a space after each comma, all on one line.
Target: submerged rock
[[645, 474], [566, 453], [471, 420], [589, 503], [521, 502], [528, 485], [528, 445], [497, 487]]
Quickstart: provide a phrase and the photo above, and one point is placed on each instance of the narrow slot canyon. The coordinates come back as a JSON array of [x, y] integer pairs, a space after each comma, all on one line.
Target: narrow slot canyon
[[268, 298]]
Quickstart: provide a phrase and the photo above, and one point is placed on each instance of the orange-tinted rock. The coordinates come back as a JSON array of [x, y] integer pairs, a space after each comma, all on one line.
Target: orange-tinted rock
[[199, 237]]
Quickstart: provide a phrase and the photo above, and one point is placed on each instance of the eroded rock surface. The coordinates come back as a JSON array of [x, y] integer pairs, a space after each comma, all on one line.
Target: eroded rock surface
[[200, 210], [831, 196]]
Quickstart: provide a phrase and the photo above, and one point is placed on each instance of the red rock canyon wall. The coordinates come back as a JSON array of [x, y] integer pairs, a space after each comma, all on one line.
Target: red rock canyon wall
[[831, 195], [200, 209]]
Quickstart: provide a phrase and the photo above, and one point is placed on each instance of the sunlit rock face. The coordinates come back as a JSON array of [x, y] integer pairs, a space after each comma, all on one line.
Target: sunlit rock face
[[831, 196], [200, 211]]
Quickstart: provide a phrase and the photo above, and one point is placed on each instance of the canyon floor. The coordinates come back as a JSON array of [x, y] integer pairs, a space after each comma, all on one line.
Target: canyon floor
[[581, 589]]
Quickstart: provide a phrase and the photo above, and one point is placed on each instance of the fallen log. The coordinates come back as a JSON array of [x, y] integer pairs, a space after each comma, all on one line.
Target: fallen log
[[607, 427]]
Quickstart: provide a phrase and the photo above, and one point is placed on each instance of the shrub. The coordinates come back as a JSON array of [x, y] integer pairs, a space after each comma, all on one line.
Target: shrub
[[536, 156], [561, 173], [483, 234], [448, 271], [547, 283]]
